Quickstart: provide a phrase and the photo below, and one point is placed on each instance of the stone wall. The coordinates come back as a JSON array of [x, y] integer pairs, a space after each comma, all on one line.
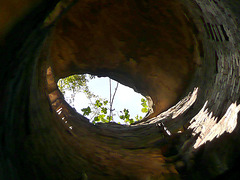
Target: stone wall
[[184, 53]]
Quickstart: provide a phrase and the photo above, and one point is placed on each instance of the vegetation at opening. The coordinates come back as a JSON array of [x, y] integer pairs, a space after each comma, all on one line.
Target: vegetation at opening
[[99, 109]]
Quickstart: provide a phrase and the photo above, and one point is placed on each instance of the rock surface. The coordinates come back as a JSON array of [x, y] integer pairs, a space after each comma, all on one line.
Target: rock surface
[[177, 52]]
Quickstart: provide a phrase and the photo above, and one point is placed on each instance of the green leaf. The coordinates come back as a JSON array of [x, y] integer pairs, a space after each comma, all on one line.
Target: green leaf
[[105, 102], [86, 111], [96, 119], [100, 118], [104, 110], [144, 110], [144, 103], [98, 103], [137, 118], [109, 118]]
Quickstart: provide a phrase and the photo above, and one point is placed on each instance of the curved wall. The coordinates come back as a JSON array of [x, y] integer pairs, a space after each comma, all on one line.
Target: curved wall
[[185, 53]]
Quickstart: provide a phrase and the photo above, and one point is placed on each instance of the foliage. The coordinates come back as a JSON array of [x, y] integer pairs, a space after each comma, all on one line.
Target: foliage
[[126, 116], [98, 108], [86, 111], [100, 111], [137, 118], [144, 105], [76, 83]]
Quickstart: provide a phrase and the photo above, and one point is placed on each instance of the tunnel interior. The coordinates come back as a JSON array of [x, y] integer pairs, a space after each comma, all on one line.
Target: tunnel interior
[[183, 54]]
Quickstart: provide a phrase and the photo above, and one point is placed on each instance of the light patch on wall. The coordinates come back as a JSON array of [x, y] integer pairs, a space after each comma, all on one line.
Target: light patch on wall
[[208, 127], [178, 109]]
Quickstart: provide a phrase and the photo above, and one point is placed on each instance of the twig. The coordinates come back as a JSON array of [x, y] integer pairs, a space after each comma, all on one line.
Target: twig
[[111, 103], [110, 85], [114, 93]]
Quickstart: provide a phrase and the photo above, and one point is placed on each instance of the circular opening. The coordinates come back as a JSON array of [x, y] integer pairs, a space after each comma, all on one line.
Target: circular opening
[[103, 99]]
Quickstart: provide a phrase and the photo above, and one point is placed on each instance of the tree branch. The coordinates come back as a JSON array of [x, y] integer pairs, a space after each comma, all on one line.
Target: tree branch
[[110, 86], [114, 93]]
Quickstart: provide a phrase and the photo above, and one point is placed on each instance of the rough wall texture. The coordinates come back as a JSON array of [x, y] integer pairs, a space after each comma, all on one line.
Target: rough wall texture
[[164, 49], [149, 46]]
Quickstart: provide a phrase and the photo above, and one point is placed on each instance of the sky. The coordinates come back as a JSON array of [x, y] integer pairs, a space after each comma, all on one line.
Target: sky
[[125, 97]]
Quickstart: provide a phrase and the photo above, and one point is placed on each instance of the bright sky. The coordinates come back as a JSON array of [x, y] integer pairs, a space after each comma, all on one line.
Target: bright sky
[[125, 97]]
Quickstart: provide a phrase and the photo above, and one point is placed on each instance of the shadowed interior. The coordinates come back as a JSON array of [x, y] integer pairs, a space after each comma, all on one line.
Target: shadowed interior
[[182, 54]]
